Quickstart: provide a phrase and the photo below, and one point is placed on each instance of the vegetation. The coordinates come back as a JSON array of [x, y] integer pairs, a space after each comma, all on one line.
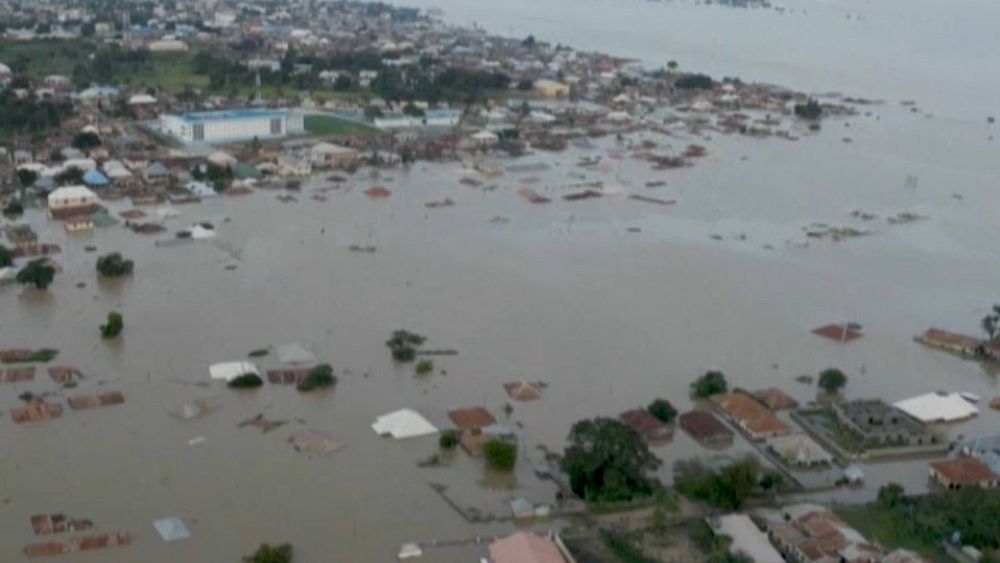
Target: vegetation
[[607, 461], [6, 257], [319, 124], [448, 440], [113, 327], [921, 522], [424, 366], [727, 488], [500, 455], [319, 377], [714, 546], [245, 381], [712, 383], [41, 355], [114, 265], [86, 140], [259, 353], [662, 410], [38, 273], [809, 110], [624, 550], [694, 82], [832, 380], [14, 208], [991, 323], [29, 115], [268, 554], [404, 344]]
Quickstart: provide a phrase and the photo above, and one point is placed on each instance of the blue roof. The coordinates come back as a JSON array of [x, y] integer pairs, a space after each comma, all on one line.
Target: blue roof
[[230, 114], [95, 178]]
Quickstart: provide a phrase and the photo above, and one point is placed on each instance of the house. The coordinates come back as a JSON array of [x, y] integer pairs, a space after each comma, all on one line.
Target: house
[[472, 417], [705, 428], [951, 341], [155, 173], [551, 89], [810, 533], [525, 547], [485, 139], [751, 416], [292, 165], [95, 179], [404, 423], [747, 539], [963, 472], [938, 407], [879, 424], [776, 399], [799, 450], [77, 199], [329, 155], [646, 425], [232, 125]]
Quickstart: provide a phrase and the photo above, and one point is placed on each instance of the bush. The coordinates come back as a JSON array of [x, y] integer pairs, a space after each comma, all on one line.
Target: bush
[[424, 367], [114, 265], [712, 383], [809, 110], [832, 380], [38, 273], [500, 455], [662, 410], [267, 554], [319, 377], [404, 344], [727, 488], [694, 82], [448, 440], [113, 327], [245, 381], [15, 207]]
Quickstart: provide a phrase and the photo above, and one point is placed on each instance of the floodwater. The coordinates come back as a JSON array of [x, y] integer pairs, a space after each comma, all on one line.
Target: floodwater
[[565, 293]]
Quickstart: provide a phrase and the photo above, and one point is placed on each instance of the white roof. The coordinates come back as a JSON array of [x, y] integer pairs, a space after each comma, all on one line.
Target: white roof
[[72, 192], [747, 538], [228, 371], [80, 164], [485, 136], [141, 99], [937, 407], [404, 423], [295, 353], [221, 158], [330, 148], [172, 529]]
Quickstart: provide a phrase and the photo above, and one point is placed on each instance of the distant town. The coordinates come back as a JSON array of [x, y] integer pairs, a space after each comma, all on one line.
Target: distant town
[[121, 116]]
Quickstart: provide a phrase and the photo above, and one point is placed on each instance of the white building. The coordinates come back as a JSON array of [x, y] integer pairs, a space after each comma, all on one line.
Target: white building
[[232, 125], [71, 197]]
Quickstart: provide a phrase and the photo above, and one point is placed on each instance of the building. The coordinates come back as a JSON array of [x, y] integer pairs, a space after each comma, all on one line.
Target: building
[[938, 407], [232, 125], [329, 155], [72, 199], [810, 533], [551, 89], [963, 472], [951, 341], [747, 539], [879, 424], [646, 425], [525, 547], [432, 118], [704, 427], [800, 450], [751, 416], [776, 399]]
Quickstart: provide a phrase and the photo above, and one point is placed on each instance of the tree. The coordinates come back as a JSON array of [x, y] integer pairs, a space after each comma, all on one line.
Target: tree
[[113, 327], [832, 380], [500, 455], [70, 176], [342, 83], [529, 42], [448, 440], [26, 178], [86, 140], [890, 495], [662, 410], [727, 488], [245, 381], [114, 265], [38, 273], [268, 554], [607, 461], [810, 110], [14, 208], [694, 82], [991, 323], [424, 367], [318, 377], [672, 65], [403, 345], [6, 257], [712, 383]]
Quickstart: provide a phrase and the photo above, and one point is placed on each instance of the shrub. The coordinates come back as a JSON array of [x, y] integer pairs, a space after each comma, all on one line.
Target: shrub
[[424, 367], [245, 381], [448, 440], [268, 554], [403, 345], [712, 383], [500, 455], [258, 353], [319, 377], [662, 410], [113, 327], [114, 265], [727, 488]]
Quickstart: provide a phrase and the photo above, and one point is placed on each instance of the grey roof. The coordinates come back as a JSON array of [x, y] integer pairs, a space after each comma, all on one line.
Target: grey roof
[[172, 529]]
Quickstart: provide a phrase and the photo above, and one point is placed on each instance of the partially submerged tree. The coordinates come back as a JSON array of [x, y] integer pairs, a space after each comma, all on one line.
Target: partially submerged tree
[[832, 380], [113, 327], [500, 455], [424, 366], [6, 257], [38, 273], [245, 381], [712, 383], [271, 554], [114, 265], [448, 440], [991, 323], [608, 461], [318, 377], [662, 410], [726, 488], [14, 208], [810, 110], [404, 344], [86, 140]]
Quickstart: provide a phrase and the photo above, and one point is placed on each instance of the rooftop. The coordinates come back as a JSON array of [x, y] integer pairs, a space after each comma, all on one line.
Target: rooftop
[[229, 114], [964, 471]]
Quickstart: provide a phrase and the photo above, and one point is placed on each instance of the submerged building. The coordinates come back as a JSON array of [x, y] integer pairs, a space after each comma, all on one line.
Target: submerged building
[[232, 125]]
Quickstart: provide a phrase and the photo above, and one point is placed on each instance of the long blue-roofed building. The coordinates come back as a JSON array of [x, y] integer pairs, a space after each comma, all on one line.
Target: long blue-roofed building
[[233, 125]]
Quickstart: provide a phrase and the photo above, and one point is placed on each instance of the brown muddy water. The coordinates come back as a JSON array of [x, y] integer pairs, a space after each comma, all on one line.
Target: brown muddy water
[[564, 293]]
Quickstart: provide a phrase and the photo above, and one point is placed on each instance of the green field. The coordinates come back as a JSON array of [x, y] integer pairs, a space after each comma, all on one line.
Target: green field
[[877, 525], [317, 124]]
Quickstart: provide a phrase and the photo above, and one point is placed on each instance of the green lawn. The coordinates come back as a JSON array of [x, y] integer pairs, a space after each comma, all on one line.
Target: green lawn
[[43, 57], [878, 526], [317, 124], [167, 71]]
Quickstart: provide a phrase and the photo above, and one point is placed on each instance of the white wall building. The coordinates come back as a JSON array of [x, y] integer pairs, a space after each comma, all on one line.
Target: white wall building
[[71, 197], [232, 125]]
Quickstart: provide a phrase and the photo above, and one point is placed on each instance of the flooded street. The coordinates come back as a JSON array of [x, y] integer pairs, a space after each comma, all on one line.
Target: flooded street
[[610, 301]]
